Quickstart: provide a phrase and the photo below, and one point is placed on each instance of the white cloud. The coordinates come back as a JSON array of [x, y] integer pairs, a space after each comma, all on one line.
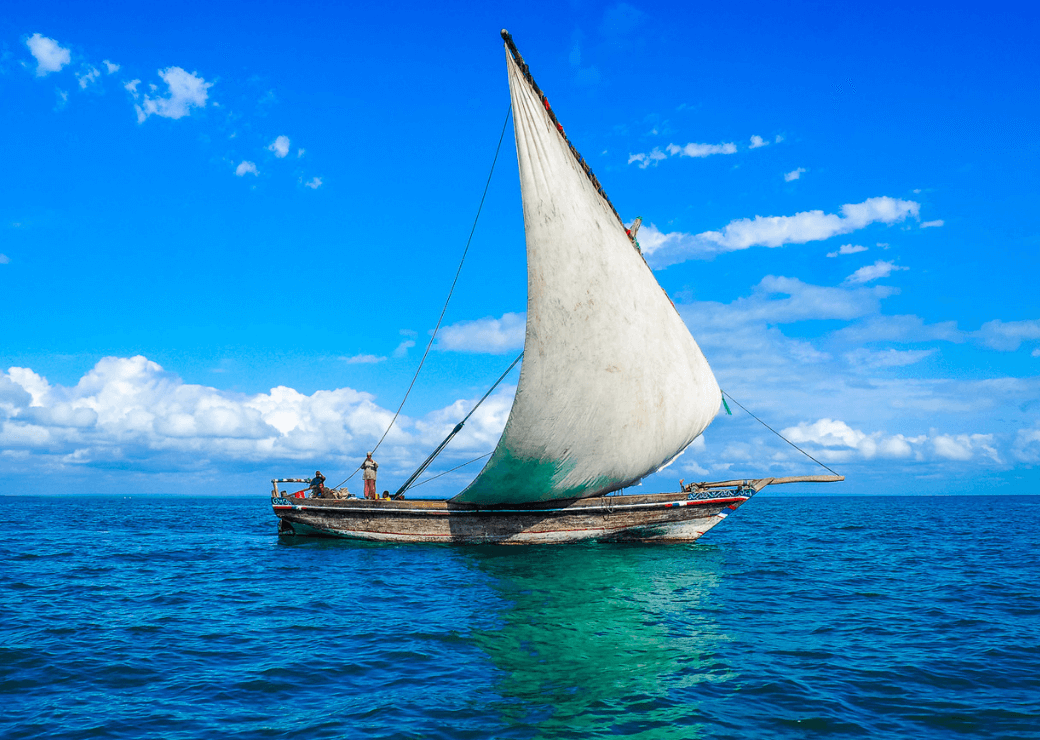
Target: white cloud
[[4, 259], [300, 152], [779, 138], [701, 150], [496, 336], [1027, 446], [689, 150], [363, 359], [50, 57], [1034, 353], [403, 347], [757, 141], [964, 446], [131, 412], [131, 87], [833, 436], [794, 174], [871, 359], [280, 146], [930, 224], [481, 432], [88, 77], [110, 67], [848, 249], [245, 167], [645, 160], [314, 183], [185, 90], [1007, 336], [879, 269], [772, 231], [899, 329]]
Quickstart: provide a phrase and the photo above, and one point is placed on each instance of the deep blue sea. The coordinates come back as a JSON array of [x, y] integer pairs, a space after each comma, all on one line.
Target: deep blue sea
[[797, 617]]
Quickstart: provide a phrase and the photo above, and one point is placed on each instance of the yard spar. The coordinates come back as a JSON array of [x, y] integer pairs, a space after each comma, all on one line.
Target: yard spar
[[613, 385]]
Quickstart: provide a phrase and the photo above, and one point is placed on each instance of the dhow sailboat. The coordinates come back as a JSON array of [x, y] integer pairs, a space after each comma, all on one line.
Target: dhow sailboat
[[612, 386]]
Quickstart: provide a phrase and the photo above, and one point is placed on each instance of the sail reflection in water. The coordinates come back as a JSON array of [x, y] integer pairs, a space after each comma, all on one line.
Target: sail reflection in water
[[595, 632]]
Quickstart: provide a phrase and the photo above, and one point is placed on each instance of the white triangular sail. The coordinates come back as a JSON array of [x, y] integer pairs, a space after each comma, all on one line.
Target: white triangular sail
[[612, 385]]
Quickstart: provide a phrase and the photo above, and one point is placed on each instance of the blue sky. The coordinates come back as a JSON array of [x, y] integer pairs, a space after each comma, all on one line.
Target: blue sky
[[227, 270]]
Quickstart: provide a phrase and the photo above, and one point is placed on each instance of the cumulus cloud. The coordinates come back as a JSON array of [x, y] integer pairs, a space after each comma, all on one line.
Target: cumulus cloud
[[245, 167], [495, 336], [964, 447], [50, 56], [663, 249], [481, 431], [835, 437], [931, 224], [879, 269], [4, 259], [848, 249], [280, 146], [794, 174], [87, 77], [110, 67], [757, 141], [130, 413], [314, 183], [185, 90]]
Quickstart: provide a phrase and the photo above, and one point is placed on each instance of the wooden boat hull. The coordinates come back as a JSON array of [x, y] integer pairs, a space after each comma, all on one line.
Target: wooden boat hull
[[662, 517]]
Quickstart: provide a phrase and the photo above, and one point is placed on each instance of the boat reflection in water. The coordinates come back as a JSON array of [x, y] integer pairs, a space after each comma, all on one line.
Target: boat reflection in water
[[597, 635]]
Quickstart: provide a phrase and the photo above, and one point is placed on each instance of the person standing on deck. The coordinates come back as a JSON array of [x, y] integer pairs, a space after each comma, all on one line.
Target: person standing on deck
[[368, 472]]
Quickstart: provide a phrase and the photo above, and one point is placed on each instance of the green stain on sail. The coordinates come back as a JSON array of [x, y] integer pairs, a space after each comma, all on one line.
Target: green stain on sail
[[511, 479]]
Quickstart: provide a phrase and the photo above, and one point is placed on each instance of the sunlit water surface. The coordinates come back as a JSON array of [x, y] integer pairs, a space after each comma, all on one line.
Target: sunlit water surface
[[797, 617]]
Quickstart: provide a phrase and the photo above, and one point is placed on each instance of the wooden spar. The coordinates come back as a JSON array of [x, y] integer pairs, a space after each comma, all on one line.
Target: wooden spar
[[759, 483]]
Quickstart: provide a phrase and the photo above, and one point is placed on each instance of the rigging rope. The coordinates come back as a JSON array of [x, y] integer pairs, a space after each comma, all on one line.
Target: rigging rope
[[785, 439], [457, 429], [435, 477], [451, 291]]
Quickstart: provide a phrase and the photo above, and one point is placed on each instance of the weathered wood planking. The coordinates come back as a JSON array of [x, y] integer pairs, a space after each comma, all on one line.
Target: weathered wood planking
[[656, 517], [665, 517]]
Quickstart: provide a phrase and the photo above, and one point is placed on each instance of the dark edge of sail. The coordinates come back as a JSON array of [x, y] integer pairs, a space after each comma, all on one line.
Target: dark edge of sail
[[525, 70]]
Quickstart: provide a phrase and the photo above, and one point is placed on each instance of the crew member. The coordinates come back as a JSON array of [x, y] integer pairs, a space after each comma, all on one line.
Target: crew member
[[368, 472], [318, 484]]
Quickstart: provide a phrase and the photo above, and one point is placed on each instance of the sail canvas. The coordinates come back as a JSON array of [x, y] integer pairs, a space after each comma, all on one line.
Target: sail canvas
[[613, 385]]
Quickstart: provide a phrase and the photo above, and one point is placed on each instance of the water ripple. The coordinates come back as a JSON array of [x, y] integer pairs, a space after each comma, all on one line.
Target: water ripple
[[837, 617]]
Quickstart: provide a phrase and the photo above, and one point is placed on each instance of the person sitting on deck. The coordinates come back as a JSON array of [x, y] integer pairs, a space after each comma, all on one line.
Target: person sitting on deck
[[318, 484], [368, 472]]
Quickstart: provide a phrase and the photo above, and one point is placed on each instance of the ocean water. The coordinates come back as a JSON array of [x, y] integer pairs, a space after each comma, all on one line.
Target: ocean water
[[797, 617]]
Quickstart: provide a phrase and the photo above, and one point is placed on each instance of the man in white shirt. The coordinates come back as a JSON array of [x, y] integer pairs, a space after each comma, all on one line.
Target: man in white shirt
[[368, 472]]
